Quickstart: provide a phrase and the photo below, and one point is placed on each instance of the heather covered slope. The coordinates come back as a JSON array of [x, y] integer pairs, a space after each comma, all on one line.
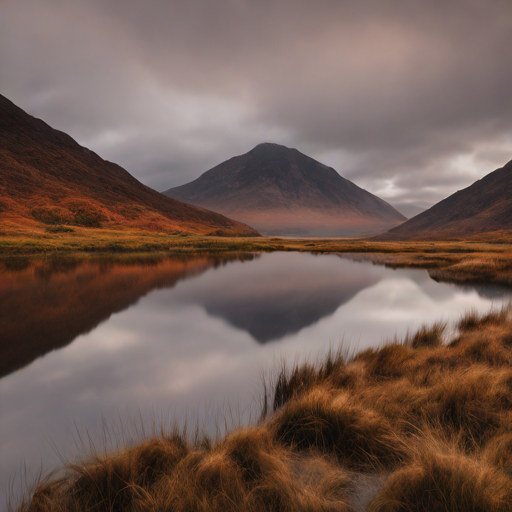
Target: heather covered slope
[[421, 425], [484, 207], [47, 177], [280, 191]]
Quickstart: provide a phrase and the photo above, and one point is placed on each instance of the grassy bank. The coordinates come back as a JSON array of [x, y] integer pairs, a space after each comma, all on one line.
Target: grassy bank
[[455, 261], [51, 240], [421, 424]]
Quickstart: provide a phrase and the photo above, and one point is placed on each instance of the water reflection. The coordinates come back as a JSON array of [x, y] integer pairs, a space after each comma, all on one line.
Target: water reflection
[[271, 300], [177, 336], [489, 291], [44, 305]]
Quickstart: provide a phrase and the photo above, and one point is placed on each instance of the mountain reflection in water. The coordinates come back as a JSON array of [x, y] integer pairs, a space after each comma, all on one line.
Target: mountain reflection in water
[[45, 305], [273, 301]]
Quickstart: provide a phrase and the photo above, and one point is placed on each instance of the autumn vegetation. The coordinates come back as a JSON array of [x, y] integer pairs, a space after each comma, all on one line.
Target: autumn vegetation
[[458, 261], [420, 424]]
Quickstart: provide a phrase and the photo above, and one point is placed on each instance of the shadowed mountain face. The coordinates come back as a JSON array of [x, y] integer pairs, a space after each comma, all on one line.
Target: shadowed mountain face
[[484, 207], [47, 177], [280, 191]]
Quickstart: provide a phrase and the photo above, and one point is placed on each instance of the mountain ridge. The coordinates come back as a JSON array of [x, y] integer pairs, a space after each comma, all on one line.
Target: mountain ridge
[[483, 207]]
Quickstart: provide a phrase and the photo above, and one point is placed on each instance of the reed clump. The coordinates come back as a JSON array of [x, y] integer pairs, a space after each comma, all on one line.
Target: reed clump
[[422, 424]]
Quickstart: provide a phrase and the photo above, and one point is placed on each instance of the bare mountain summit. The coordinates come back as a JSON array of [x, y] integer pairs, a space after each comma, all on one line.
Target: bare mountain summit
[[481, 209], [47, 178], [280, 191]]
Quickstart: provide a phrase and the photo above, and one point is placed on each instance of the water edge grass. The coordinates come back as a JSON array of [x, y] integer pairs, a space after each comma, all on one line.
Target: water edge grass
[[419, 424]]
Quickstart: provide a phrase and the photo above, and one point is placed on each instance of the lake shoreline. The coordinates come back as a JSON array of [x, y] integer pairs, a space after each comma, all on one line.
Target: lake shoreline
[[460, 261]]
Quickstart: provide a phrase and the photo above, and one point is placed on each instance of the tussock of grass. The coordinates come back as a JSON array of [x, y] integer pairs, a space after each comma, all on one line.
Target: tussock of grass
[[442, 479], [423, 424], [472, 320], [331, 423], [429, 336]]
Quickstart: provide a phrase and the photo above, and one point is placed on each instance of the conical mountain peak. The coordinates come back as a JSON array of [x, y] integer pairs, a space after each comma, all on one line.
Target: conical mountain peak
[[285, 192], [271, 150]]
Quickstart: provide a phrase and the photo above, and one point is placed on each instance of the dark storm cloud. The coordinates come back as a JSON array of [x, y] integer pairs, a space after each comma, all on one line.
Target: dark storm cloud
[[409, 99]]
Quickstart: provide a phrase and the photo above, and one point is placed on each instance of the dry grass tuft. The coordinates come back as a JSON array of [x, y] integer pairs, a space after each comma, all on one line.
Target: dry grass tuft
[[428, 336], [332, 424], [472, 320], [440, 479]]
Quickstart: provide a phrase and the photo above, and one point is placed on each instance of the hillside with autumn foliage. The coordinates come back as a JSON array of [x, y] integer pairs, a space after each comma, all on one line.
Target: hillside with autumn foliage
[[50, 182]]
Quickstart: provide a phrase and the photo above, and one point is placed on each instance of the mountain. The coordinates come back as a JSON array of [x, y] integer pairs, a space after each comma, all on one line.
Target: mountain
[[408, 209], [47, 177], [484, 207], [280, 191]]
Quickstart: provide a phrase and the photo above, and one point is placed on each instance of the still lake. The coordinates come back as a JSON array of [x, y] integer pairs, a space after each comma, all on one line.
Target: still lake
[[99, 350]]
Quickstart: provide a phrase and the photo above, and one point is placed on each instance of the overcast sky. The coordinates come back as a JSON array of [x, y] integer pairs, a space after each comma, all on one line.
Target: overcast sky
[[409, 99]]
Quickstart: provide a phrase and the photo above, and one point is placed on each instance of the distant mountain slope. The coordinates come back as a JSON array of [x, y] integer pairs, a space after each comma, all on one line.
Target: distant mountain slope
[[408, 209], [484, 207], [47, 177], [280, 191]]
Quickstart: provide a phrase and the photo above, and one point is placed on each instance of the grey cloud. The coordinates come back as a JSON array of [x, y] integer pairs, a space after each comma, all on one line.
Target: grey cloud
[[398, 90]]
